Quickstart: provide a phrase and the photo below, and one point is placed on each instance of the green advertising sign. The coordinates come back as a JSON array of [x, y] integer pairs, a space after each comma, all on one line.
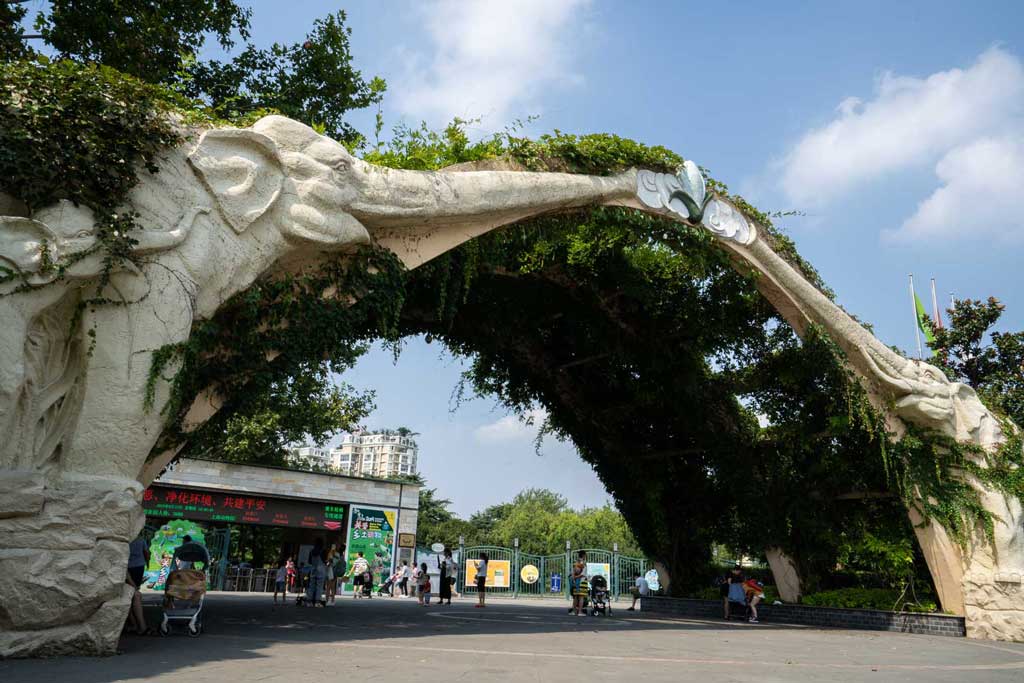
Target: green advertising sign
[[371, 532]]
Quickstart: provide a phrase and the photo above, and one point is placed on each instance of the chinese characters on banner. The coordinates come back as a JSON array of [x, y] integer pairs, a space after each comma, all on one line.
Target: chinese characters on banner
[[163, 501]]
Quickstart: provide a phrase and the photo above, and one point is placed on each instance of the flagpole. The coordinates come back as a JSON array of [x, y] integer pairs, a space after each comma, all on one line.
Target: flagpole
[[917, 323], [935, 307]]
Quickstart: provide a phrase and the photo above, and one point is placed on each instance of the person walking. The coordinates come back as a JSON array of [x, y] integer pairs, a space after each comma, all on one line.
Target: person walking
[[448, 570], [403, 582], [360, 568], [481, 580], [335, 570], [138, 558], [415, 580], [317, 574], [280, 579]]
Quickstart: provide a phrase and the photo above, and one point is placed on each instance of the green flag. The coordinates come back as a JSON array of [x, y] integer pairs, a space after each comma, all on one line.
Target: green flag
[[924, 322]]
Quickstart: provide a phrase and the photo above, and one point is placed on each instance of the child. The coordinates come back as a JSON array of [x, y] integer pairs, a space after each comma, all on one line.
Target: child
[[291, 574], [425, 586], [279, 581], [754, 591]]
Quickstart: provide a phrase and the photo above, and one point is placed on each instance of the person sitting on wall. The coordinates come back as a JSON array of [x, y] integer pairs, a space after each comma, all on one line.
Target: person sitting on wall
[[641, 589], [734, 584]]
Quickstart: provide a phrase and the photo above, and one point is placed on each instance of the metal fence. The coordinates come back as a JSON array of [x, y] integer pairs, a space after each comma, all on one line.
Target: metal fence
[[511, 572], [519, 574]]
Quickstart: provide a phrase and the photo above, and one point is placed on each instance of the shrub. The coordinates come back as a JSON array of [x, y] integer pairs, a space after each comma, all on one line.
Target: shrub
[[868, 598]]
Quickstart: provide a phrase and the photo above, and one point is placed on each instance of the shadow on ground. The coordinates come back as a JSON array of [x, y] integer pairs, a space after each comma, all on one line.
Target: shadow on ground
[[245, 633]]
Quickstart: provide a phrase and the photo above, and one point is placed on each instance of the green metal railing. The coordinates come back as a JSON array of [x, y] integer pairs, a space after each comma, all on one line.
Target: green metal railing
[[507, 575]]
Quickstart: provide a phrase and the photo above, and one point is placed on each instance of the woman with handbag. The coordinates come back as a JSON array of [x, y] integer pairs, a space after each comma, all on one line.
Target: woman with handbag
[[448, 572]]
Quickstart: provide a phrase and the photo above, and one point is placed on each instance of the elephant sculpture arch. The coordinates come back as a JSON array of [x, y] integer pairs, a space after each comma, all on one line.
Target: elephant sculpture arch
[[231, 206]]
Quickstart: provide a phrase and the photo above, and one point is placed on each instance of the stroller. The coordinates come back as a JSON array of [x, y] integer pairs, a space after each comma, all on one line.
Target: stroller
[[185, 590], [387, 588], [600, 601]]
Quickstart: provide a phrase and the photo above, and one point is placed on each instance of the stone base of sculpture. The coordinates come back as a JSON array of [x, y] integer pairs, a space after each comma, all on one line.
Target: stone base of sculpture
[[63, 561]]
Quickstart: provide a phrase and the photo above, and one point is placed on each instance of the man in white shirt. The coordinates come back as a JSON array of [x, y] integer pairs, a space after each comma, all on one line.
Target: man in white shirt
[[640, 590]]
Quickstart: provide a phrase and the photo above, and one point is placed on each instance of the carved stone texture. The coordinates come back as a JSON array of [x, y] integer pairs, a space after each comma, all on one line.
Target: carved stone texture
[[912, 392], [226, 208], [63, 553]]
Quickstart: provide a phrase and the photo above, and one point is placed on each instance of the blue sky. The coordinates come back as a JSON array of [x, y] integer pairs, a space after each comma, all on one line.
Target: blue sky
[[897, 127], [888, 124]]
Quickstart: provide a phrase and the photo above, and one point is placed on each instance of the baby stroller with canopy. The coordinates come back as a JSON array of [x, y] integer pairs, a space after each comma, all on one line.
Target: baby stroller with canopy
[[600, 601], [185, 589]]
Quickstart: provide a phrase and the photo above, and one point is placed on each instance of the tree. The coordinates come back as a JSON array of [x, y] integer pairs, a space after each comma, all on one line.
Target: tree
[[312, 81], [12, 41], [305, 407], [158, 41], [992, 363], [144, 38]]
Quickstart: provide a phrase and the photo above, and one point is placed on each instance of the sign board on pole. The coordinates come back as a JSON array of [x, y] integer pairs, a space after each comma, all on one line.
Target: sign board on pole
[[372, 532], [499, 573]]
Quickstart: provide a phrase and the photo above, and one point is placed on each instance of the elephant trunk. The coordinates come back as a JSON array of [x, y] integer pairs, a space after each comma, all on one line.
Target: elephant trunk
[[419, 215], [415, 199]]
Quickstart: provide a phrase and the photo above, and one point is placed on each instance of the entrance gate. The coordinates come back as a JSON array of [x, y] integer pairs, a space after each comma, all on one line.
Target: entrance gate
[[506, 575]]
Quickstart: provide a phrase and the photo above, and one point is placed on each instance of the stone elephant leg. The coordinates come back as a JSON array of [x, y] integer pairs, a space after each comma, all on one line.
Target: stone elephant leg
[[65, 524]]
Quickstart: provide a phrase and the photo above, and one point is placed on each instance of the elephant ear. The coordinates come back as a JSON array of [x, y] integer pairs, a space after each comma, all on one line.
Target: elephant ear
[[21, 244], [243, 171]]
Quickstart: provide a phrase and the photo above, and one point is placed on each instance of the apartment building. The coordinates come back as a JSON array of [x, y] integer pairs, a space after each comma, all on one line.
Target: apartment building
[[310, 455], [375, 454]]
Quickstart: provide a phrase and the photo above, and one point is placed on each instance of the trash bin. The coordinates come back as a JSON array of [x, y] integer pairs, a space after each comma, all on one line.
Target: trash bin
[[556, 583]]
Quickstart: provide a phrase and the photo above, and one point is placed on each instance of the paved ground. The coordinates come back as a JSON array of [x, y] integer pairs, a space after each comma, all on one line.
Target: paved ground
[[247, 639]]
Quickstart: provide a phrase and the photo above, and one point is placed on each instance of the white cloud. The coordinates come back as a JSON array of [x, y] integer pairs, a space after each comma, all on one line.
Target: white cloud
[[910, 122], [511, 428], [489, 58], [982, 194]]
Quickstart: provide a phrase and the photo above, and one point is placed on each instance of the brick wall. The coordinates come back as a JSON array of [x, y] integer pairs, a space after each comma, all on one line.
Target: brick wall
[[864, 619]]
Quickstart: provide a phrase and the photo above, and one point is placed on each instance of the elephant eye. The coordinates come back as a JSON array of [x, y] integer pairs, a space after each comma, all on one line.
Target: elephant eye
[[83, 233]]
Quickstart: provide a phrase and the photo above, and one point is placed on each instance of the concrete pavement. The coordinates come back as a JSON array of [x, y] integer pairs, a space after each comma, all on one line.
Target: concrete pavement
[[247, 639]]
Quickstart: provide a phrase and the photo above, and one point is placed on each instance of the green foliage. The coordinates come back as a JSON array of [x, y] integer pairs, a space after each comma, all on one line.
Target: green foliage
[[595, 154], [868, 598], [540, 519], [143, 38], [12, 44], [307, 406], [992, 363], [771, 594], [312, 81], [81, 132], [890, 558], [307, 330]]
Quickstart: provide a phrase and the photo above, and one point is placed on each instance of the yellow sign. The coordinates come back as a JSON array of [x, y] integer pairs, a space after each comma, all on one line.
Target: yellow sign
[[498, 573], [529, 574], [406, 540]]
